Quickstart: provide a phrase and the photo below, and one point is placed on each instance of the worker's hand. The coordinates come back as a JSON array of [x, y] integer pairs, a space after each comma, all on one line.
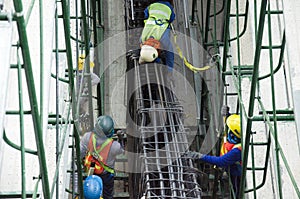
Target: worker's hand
[[120, 135], [193, 155], [225, 110]]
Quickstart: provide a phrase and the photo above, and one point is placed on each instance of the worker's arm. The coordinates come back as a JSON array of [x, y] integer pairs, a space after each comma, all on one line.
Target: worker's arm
[[84, 142], [116, 149], [226, 160], [146, 13]]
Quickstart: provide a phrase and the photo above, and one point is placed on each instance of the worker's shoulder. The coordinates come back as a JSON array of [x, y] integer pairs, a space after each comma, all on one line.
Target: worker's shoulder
[[86, 136], [237, 146], [116, 144]]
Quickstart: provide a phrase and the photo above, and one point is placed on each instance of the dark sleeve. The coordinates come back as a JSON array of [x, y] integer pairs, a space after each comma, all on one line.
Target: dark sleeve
[[226, 160], [146, 13], [172, 15]]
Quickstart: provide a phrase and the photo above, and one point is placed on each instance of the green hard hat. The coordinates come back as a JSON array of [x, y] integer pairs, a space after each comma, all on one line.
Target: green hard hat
[[106, 124]]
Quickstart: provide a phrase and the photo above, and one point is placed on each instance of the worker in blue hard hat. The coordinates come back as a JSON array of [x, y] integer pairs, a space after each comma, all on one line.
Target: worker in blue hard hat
[[231, 152], [99, 151], [155, 40]]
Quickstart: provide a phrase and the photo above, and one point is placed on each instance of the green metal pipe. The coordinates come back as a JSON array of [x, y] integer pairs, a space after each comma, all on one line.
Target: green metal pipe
[[74, 150], [253, 169], [17, 112], [59, 50], [215, 30], [5, 16], [29, 11], [220, 11], [60, 121], [201, 22], [101, 58], [60, 152], [271, 47], [207, 24], [22, 142], [280, 58], [245, 22], [77, 40], [226, 34], [238, 73], [66, 22], [41, 60], [15, 146], [265, 168], [270, 125], [34, 195], [294, 182], [252, 94], [87, 68], [278, 112], [32, 96], [15, 66], [60, 79], [279, 183], [255, 18], [279, 118], [243, 67], [71, 17], [55, 183], [272, 12], [238, 37]]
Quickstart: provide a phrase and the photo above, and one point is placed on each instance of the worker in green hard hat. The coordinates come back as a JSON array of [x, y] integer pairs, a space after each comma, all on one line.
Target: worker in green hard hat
[[99, 151]]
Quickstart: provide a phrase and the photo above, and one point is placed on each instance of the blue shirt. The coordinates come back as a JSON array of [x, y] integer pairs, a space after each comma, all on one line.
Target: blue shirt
[[227, 161]]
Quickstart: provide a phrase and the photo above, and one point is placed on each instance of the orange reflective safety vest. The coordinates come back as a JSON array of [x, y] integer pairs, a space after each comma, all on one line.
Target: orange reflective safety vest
[[227, 146], [98, 155]]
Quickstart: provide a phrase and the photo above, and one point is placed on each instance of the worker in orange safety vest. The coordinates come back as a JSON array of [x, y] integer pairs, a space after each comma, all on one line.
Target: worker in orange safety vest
[[230, 155], [98, 151]]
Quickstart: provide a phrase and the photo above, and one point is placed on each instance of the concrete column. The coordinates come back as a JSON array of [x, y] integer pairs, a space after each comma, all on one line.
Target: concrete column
[[292, 28]]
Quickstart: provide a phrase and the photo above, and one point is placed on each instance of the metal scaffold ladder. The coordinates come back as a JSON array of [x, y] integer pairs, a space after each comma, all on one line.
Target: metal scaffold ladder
[[270, 118], [25, 67]]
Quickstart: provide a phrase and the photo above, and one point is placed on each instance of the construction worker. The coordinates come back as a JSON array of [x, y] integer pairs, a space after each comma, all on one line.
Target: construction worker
[[230, 154], [99, 152], [155, 40]]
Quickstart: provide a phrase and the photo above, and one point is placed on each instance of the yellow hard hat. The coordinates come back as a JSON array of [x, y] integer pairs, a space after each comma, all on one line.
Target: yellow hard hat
[[234, 124], [148, 53], [81, 60]]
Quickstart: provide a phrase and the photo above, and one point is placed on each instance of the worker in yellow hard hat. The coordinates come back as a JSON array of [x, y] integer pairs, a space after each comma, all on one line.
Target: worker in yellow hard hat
[[231, 152]]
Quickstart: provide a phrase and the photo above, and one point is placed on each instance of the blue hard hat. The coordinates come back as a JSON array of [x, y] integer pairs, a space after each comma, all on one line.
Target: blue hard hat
[[92, 187]]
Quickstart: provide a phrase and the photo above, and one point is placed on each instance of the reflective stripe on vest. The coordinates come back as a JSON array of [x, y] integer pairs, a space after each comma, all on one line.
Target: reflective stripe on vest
[[158, 21], [226, 147], [159, 11], [98, 155]]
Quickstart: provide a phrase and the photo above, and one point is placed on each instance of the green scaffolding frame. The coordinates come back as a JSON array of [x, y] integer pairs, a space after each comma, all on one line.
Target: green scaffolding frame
[[263, 24]]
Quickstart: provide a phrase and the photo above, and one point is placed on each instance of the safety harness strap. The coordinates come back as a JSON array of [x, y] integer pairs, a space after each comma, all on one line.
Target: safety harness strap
[[186, 62], [102, 146], [105, 167]]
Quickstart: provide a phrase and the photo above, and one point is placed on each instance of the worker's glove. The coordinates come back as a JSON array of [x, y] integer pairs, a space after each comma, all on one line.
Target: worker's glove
[[225, 110], [193, 155], [120, 135]]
